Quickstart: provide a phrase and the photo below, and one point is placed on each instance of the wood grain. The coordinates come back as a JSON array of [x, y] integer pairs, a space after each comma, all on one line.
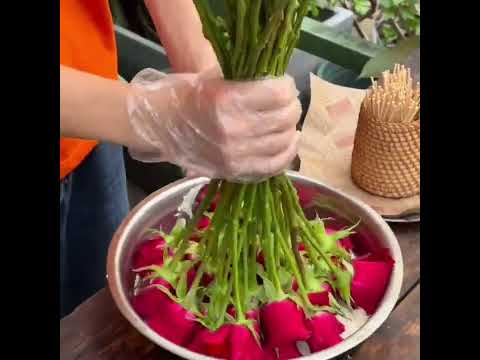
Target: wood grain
[[97, 330], [408, 236], [399, 337]]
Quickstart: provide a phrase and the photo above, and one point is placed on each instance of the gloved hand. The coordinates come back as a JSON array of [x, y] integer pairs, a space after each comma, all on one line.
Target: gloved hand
[[238, 131]]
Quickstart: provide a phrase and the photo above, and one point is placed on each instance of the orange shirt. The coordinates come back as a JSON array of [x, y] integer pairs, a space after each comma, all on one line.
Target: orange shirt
[[87, 43]]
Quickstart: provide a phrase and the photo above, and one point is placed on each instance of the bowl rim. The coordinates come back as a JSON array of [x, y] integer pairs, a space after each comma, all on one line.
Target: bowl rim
[[122, 302]]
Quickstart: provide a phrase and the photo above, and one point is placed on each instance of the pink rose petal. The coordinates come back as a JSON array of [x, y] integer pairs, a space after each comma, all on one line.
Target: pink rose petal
[[212, 343], [305, 195], [201, 196], [288, 351], [231, 311], [206, 279], [149, 302], [326, 330], [243, 344], [149, 253], [346, 243], [174, 323], [283, 323], [203, 223], [163, 282], [253, 315], [269, 353], [195, 238], [317, 298], [379, 255], [369, 283], [261, 258], [321, 298], [190, 277]]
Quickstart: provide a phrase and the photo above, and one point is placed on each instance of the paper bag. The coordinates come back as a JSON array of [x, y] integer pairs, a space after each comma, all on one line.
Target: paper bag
[[327, 141]]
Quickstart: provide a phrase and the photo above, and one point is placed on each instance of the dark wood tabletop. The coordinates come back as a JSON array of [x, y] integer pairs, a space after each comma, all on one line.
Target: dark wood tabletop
[[97, 330]]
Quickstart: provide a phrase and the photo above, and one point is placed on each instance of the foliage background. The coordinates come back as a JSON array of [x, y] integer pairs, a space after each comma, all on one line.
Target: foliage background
[[394, 19]]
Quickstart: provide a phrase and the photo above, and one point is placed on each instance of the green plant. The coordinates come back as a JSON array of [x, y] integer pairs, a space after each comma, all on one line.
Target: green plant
[[394, 19], [401, 18]]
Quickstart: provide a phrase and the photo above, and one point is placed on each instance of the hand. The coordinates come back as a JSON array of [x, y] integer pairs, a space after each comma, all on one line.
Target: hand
[[239, 131]]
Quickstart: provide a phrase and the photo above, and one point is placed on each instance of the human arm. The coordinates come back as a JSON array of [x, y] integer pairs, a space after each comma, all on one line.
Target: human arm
[[180, 31], [216, 128]]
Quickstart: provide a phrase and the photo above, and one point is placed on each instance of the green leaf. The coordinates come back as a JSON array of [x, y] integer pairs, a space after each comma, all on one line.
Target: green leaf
[[190, 301], [407, 14], [343, 281], [388, 57], [386, 3], [339, 309], [314, 284], [397, 2], [285, 278], [176, 232], [181, 287], [342, 234], [361, 7], [417, 30], [314, 10], [389, 14], [322, 4], [322, 269], [388, 34], [296, 298], [271, 292]]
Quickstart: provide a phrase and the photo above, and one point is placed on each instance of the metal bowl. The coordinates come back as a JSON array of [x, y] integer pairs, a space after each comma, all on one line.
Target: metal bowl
[[160, 208]]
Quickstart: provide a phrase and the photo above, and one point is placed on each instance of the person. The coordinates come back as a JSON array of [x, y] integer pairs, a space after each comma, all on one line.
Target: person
[[240, 131]]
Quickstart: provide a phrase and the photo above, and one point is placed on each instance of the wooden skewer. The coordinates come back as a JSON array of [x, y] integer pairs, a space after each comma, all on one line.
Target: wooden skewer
[[394, 98]]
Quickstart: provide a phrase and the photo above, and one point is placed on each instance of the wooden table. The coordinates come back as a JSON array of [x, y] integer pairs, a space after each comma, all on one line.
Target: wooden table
[[96, 329]]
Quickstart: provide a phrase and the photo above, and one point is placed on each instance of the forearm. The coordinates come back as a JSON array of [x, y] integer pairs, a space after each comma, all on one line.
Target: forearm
[[180, 30], [92, 107]]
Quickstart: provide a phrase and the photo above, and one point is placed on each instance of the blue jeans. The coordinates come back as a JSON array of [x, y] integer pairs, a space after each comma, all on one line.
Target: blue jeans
[[93, 203]]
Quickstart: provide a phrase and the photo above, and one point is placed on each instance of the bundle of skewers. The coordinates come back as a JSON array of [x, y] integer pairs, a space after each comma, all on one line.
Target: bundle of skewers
[[386, 153]]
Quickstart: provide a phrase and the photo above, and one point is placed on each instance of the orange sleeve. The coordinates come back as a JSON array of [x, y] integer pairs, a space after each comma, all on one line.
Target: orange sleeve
[[87, 43]]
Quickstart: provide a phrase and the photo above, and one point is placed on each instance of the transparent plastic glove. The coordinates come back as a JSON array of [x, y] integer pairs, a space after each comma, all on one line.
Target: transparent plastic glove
[[239, 131]]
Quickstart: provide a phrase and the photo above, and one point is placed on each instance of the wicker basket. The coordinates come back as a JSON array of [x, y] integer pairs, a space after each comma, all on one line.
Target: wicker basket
[[386, 157]]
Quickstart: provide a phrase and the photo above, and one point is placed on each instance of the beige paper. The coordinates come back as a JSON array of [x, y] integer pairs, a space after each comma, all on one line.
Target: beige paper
[[327, 141]]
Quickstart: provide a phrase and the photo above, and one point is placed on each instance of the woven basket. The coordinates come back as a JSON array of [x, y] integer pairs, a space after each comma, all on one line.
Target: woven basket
[[386, 157]]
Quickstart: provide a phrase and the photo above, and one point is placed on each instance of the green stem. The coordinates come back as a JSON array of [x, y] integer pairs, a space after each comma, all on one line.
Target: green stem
[[252, 237], [285, 31], [213, 34], [218, 221], [268, 239], [239, 33], [290, 258], [193, 223], [310, 236], [236, 253], [245, 270], [266, 37]]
